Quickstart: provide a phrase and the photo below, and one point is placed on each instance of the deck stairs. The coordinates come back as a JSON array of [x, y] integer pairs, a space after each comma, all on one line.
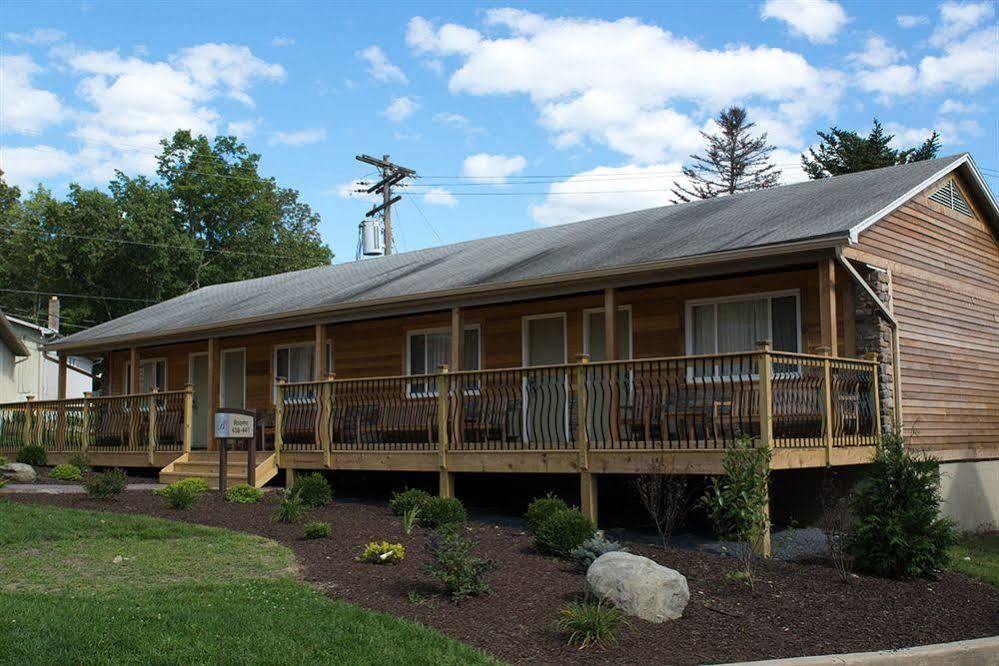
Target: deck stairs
[[205, 465]]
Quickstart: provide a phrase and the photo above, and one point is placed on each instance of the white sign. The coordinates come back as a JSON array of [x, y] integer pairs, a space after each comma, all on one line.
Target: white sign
[[235, 426]]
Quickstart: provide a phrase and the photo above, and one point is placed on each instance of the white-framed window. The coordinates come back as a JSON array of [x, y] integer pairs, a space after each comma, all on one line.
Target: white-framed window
[[152, 372], [232, 380], [294, 363], [594, 333], [429, 348], [736, 323]]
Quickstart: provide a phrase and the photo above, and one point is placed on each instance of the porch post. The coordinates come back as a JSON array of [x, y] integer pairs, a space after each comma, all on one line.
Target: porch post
[[587, 480], [133, 371], [85, 425], [212, 400], [63, 367], [766, 427], [457, 360], [28, 418], [188, 416], [152, 423], [827, 303], [446, 488], [61, 423], [319, 354], [610, 324], [278, 421], [849, 320]]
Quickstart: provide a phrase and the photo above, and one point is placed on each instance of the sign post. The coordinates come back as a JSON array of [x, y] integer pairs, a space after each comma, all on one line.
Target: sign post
[[231, 424]]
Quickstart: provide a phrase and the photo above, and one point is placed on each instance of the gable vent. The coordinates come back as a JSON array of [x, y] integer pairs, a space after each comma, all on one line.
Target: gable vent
[[950, 196]]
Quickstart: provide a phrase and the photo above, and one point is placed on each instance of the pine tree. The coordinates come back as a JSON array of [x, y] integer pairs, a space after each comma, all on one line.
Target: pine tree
[[843, 151], [735, 161]]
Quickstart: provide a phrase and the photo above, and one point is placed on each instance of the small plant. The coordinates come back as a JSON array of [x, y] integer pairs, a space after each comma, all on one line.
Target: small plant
[[440, 511], [244, 493], [313, 489], [452, 563], [3, 461], [407, 499], [593, 548], [665, 498], [106, 485], [184, 494], [898, 531], [836, 521], [318, 530], [409, 519], [291, 509], [32, 455], [382, 553], [66, 472], [590, 624], [415, 597], [80, 461], [540, 509], [563, 532]]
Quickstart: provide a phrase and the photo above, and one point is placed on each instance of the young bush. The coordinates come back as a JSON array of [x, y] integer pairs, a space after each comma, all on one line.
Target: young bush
[[440, 511], [66, 473], [291, 509], [898, 531], [3, 460], [244, 493], [107, 485], [540, 509], [563, 532], [183, 494], [382, 553], [450, 561], [593, 548], [665, 498], [408, 499], [409, 519], [80, 461], [313, 489], [318, 530], [586, 623], [32, 455]]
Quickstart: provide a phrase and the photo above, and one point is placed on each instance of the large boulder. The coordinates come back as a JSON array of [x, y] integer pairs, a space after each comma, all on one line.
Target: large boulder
[[638, 586], [18, 473]]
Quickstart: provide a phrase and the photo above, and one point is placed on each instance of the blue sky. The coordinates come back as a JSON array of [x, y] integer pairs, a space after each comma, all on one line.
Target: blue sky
[[514, 116]]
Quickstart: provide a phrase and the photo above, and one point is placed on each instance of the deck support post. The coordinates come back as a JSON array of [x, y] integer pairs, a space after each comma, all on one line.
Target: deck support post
[[827, 405], [588, 495], [289, 478], [188, 416], [323, 421], [446, 488], [827, 304], [152, 424], [85, 423], [278, 421], [587, 480], [766, 369]]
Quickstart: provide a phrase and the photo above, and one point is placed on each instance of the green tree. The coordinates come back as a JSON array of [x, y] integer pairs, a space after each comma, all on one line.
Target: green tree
[[844, 151], [735, 161]]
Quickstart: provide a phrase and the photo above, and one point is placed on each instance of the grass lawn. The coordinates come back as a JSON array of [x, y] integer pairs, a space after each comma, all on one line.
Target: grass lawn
[[86, 587], [982, 553]]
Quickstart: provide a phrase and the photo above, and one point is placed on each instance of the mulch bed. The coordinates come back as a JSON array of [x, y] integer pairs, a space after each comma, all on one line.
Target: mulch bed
[[45, 478], [796, 609]]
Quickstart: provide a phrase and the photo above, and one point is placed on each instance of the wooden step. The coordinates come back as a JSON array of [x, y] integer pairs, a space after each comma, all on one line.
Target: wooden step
[[205, 465]]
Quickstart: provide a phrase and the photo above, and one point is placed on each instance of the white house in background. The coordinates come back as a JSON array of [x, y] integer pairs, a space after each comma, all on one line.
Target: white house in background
[[26, 370]]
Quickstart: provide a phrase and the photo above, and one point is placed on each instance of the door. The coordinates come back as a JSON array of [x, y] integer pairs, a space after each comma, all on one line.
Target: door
[[198, 376], [610, 388], [546, 390]]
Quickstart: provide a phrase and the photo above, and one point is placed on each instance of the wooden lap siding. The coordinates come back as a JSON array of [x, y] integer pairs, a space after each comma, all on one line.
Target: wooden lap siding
[[945, 280]]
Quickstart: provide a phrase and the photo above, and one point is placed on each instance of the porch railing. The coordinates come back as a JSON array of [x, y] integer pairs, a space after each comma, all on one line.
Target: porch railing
[[145, 422], [690, 402]]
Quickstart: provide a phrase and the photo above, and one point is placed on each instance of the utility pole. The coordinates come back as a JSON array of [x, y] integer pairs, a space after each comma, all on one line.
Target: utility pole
[[391, 174]]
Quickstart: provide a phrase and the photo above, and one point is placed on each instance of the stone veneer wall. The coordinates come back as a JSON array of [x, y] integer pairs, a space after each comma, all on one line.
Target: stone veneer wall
[[874, 335]]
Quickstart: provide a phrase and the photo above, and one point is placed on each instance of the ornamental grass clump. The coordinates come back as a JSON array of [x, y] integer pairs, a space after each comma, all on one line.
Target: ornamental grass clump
[[80, 461], [106, 485], [450, 561], [540, 509], [313, 489], [66, 472], [441, 511], [32, 455], [898, 531], [317, 530], [562, 532], [408, 499], [244, 493], [382, 553], [184, 494], [587, 624], [291, 509]]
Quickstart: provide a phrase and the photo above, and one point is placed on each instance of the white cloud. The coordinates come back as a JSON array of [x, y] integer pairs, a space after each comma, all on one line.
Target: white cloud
[[959, 18], [969, 64], [877, 53], [25, 108], [281, 40], [244, 128], [956, 106], [303, 137], [492, 169], [227, 66], [37, 37], [451, 119], [355, 190], [26, 166], [816, 20], [438, 196], [911, 20], [380, 67], [891, 80], [605, 82], [400, 108]]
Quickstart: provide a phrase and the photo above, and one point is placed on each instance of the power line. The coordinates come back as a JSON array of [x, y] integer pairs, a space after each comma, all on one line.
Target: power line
[[412, 200], [63, 295]]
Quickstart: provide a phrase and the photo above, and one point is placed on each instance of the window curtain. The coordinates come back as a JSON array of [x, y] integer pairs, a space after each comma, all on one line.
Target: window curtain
[[438, 351], [703, 325]]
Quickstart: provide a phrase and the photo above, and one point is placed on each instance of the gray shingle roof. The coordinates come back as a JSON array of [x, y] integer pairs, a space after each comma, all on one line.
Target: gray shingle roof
[[797, 212]]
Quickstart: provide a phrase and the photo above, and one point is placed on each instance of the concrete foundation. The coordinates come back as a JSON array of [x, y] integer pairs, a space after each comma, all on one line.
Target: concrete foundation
[[970, 492]]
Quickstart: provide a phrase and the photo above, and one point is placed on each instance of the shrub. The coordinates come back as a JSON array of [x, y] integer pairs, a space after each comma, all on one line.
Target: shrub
[[66, 473], [313, 489], [3, 460], [105, 485], [440, 511], [382, 553], [291, 509], [586, 623], [80, 461], [183, 494], [898, 531], [540, 509], [562, 532], [318, 530], [32, 455], [244, 493], [452, 563], [593, 548], [408, 499]]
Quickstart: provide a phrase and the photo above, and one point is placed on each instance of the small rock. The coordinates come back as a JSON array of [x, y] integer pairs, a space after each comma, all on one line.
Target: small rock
[[18, 473], [638, 586]]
